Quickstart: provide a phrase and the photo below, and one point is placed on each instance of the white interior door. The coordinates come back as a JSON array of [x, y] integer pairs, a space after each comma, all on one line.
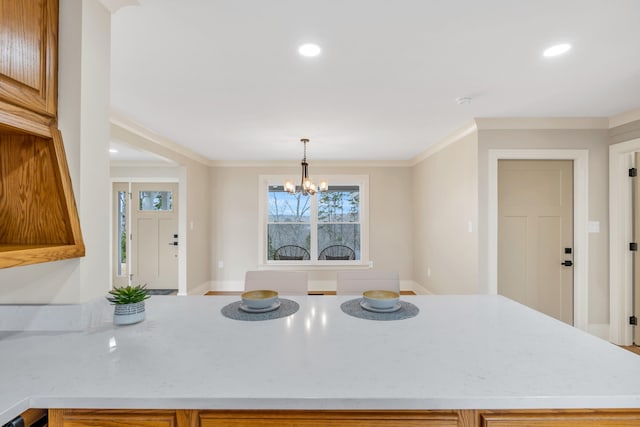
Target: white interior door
[[154, 235], [535, 234]]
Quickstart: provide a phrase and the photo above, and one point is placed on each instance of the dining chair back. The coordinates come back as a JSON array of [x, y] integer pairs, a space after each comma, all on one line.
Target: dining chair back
[[283, 282], [291, 252], [337, 253], [356, 282]]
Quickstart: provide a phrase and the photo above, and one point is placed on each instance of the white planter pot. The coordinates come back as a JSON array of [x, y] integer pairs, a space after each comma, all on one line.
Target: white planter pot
[[127, 314]]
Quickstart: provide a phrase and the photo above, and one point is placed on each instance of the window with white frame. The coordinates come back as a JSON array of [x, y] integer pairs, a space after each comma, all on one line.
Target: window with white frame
[[327, 228]]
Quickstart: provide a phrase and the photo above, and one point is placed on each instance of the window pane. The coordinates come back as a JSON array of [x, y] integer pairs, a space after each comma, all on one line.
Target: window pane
[[156, 201], [339, 204], [122, 233], [338, 242], [285, 207], [289, 241]]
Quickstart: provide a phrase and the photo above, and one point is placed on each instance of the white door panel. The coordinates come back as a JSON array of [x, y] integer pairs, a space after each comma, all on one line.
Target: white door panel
[[154, 225], [535, 225]]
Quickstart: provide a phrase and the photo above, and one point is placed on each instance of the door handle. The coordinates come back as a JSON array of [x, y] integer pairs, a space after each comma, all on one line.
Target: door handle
[[173, 243], [567, 263]]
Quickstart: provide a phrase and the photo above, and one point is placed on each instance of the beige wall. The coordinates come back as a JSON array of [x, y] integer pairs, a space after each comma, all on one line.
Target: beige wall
[[596, 142], [445, 200], [234, 233], [83, 117]]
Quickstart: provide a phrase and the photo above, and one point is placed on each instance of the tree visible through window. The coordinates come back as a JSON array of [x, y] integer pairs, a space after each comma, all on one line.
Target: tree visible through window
[[339, 223], [321, 227]]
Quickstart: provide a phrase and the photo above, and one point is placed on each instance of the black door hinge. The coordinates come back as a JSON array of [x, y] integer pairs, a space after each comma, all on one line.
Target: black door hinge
[[633, 246], [633, 320], [633, 172]]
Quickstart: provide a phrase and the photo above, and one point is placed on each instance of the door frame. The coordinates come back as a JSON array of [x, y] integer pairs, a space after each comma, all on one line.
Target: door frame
[[182, 225], [580, 221], [620, 229]]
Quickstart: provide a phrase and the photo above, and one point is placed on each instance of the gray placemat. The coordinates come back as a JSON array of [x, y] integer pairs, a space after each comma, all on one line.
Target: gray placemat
[[353, 308], [287, 308]]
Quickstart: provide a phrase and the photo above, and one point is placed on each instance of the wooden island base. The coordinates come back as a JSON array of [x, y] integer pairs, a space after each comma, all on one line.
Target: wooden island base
[[273, 418]]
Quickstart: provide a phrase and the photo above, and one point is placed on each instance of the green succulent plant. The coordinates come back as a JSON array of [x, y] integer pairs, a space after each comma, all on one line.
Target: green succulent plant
[[128, 294]]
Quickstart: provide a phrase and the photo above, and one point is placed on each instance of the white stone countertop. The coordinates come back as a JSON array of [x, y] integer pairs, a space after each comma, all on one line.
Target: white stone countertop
[[460, 352]]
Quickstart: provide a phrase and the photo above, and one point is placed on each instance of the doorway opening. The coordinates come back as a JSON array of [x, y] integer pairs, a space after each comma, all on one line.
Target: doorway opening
[[145, 242], [621, 232]]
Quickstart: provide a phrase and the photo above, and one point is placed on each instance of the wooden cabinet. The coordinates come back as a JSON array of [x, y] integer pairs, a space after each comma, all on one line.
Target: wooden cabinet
[[118, 418], [335, 418], [275, 418], [561, 418], [246, 418], [38, 215], [28, 46]]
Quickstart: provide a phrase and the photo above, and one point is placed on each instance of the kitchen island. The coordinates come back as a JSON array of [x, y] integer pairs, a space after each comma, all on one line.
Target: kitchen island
[[460, 355]]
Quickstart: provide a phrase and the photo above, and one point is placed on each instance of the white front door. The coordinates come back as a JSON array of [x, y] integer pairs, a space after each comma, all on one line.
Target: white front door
[[535, 234], [154, 235]]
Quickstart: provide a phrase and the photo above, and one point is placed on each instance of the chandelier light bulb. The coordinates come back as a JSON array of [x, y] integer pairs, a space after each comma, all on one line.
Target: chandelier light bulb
[[289, 186]]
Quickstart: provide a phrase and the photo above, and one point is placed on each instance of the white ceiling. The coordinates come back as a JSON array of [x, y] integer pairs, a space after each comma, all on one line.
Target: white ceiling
[[224, 79], [121, 152]]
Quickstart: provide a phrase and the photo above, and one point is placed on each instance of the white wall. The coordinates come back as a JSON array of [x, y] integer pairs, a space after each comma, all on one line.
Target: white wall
[[234, 232], [83, 110], [144, 172], [445, 204]]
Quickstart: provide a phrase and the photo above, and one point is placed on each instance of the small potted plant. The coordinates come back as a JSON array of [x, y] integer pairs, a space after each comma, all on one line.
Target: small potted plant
[[129, 304]]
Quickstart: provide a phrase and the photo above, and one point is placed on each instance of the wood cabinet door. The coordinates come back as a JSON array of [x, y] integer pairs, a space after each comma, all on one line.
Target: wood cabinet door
[[113, 418], [333, 418], [28, 54], [562, 418]]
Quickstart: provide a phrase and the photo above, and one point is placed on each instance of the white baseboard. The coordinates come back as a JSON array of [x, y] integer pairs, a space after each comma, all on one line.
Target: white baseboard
[[418, 288], [601, 330], [202, 289]]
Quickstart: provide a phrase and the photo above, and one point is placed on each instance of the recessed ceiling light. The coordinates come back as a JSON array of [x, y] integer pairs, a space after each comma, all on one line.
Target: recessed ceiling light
[[113, 150], [556, 50], [309, 49]]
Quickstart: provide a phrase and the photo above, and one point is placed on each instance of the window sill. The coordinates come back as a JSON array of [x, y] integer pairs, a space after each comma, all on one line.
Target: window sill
[[284, 265]]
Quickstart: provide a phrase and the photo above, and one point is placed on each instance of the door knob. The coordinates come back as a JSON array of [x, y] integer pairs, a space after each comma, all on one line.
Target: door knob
[[567, 263]]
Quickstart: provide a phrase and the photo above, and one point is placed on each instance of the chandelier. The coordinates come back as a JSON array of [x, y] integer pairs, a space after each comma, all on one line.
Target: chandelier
[[307, 187]]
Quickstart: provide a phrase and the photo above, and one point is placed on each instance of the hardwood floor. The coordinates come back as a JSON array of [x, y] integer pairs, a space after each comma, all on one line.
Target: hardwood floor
[[310, 293], [633, 348]]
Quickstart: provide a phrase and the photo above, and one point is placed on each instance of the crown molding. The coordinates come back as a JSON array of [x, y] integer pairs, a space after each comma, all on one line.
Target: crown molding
[[119, 120], [528, 123], [624, 118], [314, 163], [114, 5], [454, 136], [135, 164]]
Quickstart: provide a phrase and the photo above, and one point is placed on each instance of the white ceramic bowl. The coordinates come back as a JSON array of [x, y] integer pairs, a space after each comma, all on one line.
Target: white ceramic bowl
[[259, 299], [381, 299]]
